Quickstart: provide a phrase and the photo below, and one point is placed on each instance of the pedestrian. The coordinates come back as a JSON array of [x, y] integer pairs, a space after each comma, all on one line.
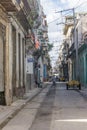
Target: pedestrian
[[36, 83], [54, 81]]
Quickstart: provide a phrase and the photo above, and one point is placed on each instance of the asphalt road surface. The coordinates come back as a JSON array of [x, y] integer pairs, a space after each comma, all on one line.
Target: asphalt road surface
[[54, 109]]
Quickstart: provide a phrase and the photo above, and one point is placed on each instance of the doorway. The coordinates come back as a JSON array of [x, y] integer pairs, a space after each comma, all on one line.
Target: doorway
[[14, 61], [2, 63]]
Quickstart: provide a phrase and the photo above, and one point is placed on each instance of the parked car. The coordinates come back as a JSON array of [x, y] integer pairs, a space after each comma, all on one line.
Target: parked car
[[62, 79], [73, 84]]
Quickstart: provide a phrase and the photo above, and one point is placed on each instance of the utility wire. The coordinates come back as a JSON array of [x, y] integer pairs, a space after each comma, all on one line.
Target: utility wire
[[68, 10], [77, 3], [59, 18], [80, 5]]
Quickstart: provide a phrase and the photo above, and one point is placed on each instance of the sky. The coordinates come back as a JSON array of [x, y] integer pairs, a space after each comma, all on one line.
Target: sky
[[55, 29]]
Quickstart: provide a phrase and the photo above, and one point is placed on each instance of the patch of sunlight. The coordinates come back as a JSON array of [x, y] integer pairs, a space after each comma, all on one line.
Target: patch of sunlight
[[72, 120]]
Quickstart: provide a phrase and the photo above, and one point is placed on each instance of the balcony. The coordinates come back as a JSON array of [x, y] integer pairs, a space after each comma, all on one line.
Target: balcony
[[37, 22], [71, 50], [11, 5], [44, 28], [72, 47], [26, 8], [22, 11]]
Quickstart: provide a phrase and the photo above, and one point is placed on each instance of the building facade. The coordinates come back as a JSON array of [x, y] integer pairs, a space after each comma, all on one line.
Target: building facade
[[21, 57], [78, 40]]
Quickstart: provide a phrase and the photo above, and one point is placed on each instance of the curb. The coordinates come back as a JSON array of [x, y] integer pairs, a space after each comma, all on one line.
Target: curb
[[83, 93]]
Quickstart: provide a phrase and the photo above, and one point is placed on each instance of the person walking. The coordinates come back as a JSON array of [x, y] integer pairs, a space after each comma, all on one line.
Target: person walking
[[54, 82]]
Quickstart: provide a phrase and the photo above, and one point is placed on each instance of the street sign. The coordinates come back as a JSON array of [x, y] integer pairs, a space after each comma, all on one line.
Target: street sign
[[29, 64], [30, 60]]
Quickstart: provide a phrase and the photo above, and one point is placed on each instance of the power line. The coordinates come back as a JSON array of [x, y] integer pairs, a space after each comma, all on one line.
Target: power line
[[80, 5], [54, 20], [59, 18], [70, 9], [64, 10], [77, 3]]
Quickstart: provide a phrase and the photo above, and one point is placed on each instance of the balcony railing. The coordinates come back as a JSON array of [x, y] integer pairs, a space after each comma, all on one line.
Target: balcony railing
[[26, 7], [44, 28], [71, 49]]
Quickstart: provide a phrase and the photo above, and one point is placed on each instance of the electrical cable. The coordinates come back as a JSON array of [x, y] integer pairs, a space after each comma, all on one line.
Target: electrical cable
[[77, 3], [67, 10], [76, 7], [58, 18], [80, 5]]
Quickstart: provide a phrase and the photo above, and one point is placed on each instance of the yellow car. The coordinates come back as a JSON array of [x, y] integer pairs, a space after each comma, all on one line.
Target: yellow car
[[73, 83], [62, 79]]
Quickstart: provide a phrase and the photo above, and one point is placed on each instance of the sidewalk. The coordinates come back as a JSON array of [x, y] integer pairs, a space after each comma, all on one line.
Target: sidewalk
[[83, 92], [7, 112]]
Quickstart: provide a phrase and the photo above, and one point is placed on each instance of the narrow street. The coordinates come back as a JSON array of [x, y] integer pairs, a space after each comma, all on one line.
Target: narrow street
[[53, 109]]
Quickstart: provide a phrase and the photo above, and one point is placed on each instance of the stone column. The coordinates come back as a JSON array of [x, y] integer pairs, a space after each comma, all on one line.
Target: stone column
[[21, 56], [8, 66], [17, 59]]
